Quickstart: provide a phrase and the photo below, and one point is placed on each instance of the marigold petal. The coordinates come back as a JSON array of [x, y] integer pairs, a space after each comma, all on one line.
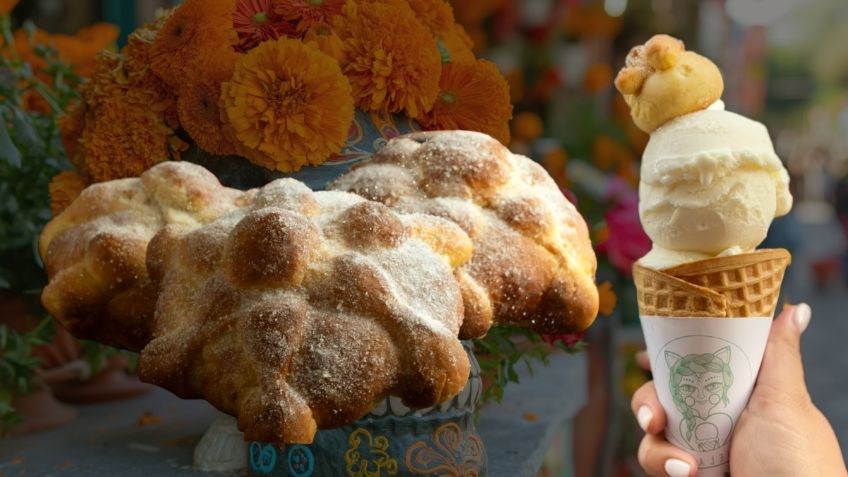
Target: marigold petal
[[287, 105], [387, 60], [64, 188], [474, 97]]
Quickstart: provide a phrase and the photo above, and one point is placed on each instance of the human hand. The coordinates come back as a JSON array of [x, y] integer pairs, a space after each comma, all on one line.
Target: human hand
[[780, 432]]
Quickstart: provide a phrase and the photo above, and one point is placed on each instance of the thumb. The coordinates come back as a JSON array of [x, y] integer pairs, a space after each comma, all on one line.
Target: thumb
[[782, 370]]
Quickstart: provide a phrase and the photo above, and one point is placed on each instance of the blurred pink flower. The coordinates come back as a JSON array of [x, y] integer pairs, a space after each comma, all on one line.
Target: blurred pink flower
[[570, 339], [627, 241], [569, 195]]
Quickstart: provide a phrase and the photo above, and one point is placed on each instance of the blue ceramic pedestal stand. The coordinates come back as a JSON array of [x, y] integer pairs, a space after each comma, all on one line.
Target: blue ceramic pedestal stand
[[392, 440]]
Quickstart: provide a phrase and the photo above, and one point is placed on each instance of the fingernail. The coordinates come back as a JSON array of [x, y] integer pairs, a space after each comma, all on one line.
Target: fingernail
[[677, 468], [802, 316], [644, 416]]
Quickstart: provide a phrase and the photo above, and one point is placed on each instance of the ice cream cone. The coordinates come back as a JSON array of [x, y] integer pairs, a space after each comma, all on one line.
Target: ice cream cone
[[705, 365], [735, 286]]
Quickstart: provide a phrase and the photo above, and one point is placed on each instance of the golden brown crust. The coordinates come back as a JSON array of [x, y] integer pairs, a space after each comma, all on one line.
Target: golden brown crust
[[305, 321], [289, 309], [532, 265], [661, 81], [732, 286], [95, 251]]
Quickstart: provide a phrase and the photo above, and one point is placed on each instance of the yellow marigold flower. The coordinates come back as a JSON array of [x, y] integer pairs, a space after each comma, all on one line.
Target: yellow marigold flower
[[64, 188], [123, 140], [306, 13], [287, 105], [388, 59], [323, 37], [473, 96], [7, 6], [198, 107], [607, 299], [197, 28]]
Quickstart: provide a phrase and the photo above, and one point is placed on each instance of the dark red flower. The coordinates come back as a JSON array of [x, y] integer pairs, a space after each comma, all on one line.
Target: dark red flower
[[569, 339], [255, 21]]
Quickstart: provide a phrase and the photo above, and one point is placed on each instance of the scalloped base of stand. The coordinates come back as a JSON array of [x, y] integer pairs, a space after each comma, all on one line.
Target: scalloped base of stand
[[392, 440]]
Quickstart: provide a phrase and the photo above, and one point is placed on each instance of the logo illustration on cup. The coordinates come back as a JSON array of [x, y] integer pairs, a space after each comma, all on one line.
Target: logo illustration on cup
[[699, 385]]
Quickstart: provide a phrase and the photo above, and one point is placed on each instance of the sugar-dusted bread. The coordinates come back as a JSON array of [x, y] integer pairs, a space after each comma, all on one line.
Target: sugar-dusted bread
[[533, 263], [95, 251], [288, 309], [306, 308], [661, 81]]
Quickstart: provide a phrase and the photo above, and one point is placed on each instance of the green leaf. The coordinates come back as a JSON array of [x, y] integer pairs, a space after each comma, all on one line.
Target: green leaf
[[8, 151], [23, 128], [513, 376]]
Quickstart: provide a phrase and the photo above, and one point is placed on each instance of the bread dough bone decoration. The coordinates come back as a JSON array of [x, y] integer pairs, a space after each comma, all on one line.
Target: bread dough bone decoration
[[711, 182], [296, 310]]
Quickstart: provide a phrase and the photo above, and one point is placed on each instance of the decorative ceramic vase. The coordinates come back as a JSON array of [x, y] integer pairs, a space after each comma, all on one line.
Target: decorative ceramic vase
[[368, 132], [392, 440]]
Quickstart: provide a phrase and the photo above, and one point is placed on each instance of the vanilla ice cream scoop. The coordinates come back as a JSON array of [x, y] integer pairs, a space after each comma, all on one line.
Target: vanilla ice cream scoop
[[711, 184]]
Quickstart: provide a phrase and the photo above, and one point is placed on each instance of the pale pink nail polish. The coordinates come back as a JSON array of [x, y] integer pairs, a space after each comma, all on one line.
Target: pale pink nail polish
[[677, 468], [644, 416]]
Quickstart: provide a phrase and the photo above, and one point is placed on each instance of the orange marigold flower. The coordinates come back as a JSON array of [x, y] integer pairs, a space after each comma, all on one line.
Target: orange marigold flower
[[471, 13], [197, 28], [256, 21], [305, 13], [323, 37], [7, 6], [527, 126], [123, 140], [32, 101], [554, 162], [71, 126], [473, 96], [78, 51], [388, 60], [607, 299], [598, 77], [458, 44], [140, 41], [436, 15], [198, 105], [64, 188], [287, 105]]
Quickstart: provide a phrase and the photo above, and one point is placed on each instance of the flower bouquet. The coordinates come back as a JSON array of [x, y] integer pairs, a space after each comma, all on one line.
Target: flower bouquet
[[258, 89]]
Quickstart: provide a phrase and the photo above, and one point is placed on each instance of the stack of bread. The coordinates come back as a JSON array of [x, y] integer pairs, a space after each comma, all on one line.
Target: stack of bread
[[296, 310]]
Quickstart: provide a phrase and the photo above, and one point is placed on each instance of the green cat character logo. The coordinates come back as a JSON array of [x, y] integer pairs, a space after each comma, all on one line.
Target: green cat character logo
[[699, 384]]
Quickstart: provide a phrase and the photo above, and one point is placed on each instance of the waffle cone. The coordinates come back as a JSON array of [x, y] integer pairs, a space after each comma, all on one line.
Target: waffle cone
[[735, 286]]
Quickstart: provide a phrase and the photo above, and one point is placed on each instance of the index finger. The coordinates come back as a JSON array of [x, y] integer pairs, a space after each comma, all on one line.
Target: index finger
[[647, 409]]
